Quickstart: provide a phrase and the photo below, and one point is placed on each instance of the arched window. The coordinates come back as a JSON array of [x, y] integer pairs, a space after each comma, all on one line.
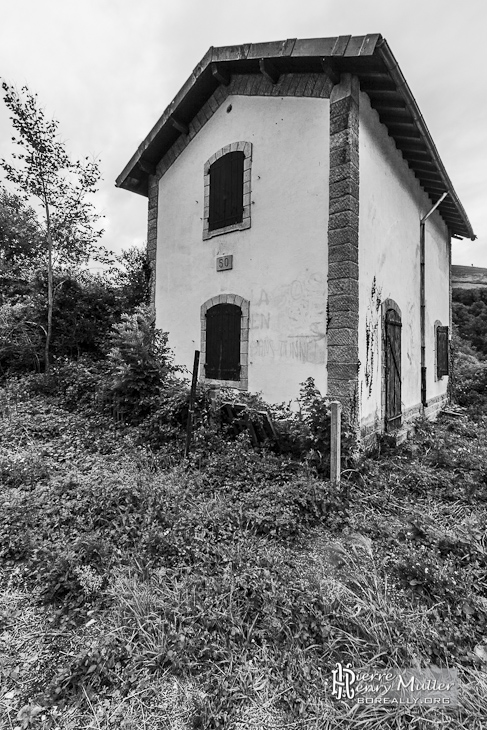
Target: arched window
[[225, 340], [227, 190]]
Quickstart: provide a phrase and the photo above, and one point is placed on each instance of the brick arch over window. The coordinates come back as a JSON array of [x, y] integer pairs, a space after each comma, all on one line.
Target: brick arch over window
[[390, 304], [244, 305], [243, 189]]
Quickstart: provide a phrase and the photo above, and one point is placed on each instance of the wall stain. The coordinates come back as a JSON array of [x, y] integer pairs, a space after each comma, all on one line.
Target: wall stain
[[372, 321]]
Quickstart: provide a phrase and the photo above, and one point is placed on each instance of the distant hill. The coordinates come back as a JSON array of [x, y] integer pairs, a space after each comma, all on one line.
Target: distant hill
[[468, 277], [469, 310]]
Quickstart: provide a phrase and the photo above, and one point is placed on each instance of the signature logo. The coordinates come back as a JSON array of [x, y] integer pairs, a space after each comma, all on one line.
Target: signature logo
[[343, 678]]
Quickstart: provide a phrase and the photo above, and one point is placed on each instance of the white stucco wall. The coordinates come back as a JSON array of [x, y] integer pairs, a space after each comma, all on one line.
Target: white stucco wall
[[392, 203], [279, 264]]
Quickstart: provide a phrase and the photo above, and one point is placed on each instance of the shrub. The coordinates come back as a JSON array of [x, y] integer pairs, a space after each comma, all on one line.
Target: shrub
[[25, 470], [306, 434], [469, 312], [140, 363], [21, 338], [468, 381]]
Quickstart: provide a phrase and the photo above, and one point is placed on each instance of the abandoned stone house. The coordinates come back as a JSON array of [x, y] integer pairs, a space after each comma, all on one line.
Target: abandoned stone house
[[291, 189]]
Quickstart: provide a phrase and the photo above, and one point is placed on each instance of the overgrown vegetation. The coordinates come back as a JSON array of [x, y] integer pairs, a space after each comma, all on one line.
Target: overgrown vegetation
[[470, 317], [85, 305], [220, 592], [142, 590], [469, 348]]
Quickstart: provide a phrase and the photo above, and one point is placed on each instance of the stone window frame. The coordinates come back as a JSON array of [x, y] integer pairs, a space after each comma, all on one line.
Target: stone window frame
[[244, 304], [246, 148], [385, 305]]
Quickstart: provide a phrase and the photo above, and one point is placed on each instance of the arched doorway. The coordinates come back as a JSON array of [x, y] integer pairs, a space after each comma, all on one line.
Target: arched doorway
[[223, 342], [392, 365]]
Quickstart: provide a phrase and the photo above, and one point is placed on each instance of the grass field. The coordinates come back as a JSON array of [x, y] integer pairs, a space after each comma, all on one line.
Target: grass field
[[142, 592]]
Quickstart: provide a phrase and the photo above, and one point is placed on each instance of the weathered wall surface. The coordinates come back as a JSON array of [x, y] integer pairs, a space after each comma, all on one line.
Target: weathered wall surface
[[279, 264], [391, 206]]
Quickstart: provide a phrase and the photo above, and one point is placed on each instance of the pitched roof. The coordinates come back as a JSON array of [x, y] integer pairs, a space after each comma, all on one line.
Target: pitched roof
[[368, 57]]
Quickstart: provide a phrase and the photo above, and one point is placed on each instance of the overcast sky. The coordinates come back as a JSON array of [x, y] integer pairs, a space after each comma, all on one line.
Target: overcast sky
[[107, 69]]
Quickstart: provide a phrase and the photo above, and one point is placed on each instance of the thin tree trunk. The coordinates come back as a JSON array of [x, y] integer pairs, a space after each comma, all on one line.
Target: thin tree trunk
[[50, 292], [50, 299]]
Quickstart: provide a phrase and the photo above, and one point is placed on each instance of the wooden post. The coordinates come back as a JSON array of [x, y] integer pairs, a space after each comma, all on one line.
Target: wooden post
[[335, 441], [189, 426]]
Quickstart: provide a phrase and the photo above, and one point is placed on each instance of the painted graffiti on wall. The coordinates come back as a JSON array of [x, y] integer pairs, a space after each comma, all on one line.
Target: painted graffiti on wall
[[289, 322]]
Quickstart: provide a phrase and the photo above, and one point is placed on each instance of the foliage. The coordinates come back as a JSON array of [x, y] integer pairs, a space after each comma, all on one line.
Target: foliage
[[469, 312], [237, 572], [84, 311], [140, 363], [43, 171], [85, 308], [468, 380], [21, 337], [131, 277], [20, 243], [306, 434]]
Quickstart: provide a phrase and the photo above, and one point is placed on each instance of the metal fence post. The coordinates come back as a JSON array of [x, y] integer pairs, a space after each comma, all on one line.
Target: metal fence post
[[335, 441]]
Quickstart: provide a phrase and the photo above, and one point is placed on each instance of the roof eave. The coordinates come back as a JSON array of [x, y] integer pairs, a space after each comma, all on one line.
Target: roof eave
[[344, 53], [396, 74]]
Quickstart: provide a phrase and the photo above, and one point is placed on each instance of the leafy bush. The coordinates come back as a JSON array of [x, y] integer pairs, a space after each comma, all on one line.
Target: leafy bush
[[471, 389], [140, 363], [469, 312], [27, 469], [85, 305], [131, 278], [85, 308], [21, 337], [94, 668], [306, 434]]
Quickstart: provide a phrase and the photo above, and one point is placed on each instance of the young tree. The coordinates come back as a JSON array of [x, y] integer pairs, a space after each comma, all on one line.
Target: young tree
[[43, 170]]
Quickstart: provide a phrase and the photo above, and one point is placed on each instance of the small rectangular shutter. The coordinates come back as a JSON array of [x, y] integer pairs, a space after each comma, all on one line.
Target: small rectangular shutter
[[226, 191], [441, 351]]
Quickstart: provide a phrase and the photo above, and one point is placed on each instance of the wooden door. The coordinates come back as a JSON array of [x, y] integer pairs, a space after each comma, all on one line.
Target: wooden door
[[392, 375], [223, 342]]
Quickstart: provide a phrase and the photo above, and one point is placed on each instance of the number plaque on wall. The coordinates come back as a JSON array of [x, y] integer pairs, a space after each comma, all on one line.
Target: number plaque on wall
[[223, 263]]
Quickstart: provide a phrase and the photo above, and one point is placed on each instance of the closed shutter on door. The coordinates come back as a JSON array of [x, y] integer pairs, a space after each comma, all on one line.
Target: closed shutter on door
[[393, 369], [441, 351], [226, 191], [223, 342]]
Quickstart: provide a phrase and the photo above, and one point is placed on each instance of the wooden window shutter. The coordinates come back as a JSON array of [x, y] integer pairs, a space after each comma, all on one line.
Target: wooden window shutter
[[226, 191], [441, 351], [223, 342]]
